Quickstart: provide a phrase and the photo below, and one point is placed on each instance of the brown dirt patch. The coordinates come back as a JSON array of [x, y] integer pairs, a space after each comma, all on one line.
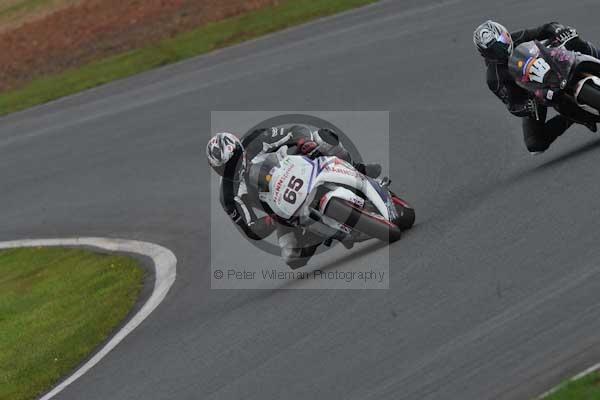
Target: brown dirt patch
[[14, 13], [92, 29]]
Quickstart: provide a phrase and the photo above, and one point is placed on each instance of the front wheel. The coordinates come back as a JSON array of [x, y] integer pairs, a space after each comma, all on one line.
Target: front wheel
[[363, 221], [590, 95]]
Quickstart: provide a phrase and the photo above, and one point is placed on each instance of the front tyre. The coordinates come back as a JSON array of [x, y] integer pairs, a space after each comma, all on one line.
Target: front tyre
[[590, 95], [373, 225]]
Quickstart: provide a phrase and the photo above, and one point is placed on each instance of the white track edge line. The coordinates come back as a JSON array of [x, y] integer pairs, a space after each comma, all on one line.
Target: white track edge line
[[165, 264], [577, 377]]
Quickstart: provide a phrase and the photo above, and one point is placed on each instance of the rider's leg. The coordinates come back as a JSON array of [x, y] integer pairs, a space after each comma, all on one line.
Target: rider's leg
[[296, 248], [539, 135], [556, 126], [533, 134]]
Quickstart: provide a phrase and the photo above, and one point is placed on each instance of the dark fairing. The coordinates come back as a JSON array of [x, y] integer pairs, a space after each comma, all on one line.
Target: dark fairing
[[567, 68], [586, 65], [561, 62]]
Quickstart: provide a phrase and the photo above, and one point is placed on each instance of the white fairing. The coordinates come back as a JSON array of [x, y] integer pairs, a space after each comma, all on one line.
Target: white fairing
[[334, 170], [293, 184], [580, 84]]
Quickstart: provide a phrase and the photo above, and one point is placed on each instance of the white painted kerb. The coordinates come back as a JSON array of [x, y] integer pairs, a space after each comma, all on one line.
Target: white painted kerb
[[165, 270]]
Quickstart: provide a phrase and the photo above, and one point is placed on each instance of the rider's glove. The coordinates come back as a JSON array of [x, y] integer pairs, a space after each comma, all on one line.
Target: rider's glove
[[308, 147], [564, 35], [551, 29]]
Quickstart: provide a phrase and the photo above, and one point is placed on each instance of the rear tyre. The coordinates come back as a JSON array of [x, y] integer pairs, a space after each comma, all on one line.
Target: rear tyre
[[406, 217], [590, 95], [363, 221], [406, 214]]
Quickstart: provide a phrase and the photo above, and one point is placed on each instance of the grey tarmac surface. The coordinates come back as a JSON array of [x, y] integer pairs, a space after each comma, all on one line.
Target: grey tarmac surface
[[494, 294]]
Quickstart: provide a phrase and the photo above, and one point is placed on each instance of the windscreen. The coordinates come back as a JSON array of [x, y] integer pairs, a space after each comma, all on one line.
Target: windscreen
[[260, 169]]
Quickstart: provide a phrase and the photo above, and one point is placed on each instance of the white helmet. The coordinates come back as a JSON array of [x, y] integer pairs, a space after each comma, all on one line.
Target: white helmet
[[224, 151], [493, 41]]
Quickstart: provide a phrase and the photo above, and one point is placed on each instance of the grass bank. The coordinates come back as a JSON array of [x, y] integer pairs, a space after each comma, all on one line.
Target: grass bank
[[193, 43], [586, 388], [56, 306]]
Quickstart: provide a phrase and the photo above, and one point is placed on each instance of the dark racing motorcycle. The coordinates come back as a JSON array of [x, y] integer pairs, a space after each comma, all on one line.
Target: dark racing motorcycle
[[566, 80]]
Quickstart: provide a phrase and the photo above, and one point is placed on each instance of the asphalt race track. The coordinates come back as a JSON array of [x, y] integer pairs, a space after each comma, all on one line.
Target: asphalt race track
[[495, 294]]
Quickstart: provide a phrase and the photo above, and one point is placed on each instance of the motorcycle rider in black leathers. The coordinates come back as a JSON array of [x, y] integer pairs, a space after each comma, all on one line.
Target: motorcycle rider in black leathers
[[229, 156], [496, 44]]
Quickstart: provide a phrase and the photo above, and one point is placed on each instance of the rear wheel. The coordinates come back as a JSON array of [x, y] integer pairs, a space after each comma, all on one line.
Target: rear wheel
[[371, 224], [590, 95], [406, 214]]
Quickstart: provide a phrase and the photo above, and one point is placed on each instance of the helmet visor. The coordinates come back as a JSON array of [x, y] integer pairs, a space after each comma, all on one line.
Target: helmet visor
[[499, 49]]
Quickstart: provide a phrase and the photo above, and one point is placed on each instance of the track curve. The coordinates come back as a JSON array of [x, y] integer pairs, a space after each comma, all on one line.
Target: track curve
[[494, 295]]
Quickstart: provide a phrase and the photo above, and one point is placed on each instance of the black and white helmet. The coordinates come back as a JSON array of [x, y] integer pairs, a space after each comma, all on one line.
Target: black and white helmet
[[224, 152], [493, 41]]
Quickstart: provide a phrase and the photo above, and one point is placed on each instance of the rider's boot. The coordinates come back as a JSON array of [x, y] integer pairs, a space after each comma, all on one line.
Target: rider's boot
[[356, 237], [346, 240], [591, 125], [343, 238], [385, 182], [348, 243]]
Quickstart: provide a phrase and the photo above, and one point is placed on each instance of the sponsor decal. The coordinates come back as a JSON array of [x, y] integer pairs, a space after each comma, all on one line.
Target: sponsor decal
[[538, 70], [280, 182], [535, 69], [357, 201], [343, 171]]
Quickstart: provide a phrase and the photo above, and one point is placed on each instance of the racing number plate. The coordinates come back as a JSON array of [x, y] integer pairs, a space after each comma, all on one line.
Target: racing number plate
[[289, 185]]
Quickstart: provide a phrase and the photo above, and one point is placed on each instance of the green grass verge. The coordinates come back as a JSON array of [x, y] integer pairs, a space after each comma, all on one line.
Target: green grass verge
[[586, 388], [56, 306], [193, 43], [21, 6]]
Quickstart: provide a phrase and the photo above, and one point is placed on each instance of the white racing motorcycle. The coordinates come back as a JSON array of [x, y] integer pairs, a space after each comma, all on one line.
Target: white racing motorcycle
[[329, 197]]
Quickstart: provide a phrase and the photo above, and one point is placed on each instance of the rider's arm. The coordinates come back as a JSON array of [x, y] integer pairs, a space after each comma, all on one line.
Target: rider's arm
[[565, 35], [516, 100], [267, 140], [543, 32], [583, 47], [323, 142], [329, 144], [241, 213]]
